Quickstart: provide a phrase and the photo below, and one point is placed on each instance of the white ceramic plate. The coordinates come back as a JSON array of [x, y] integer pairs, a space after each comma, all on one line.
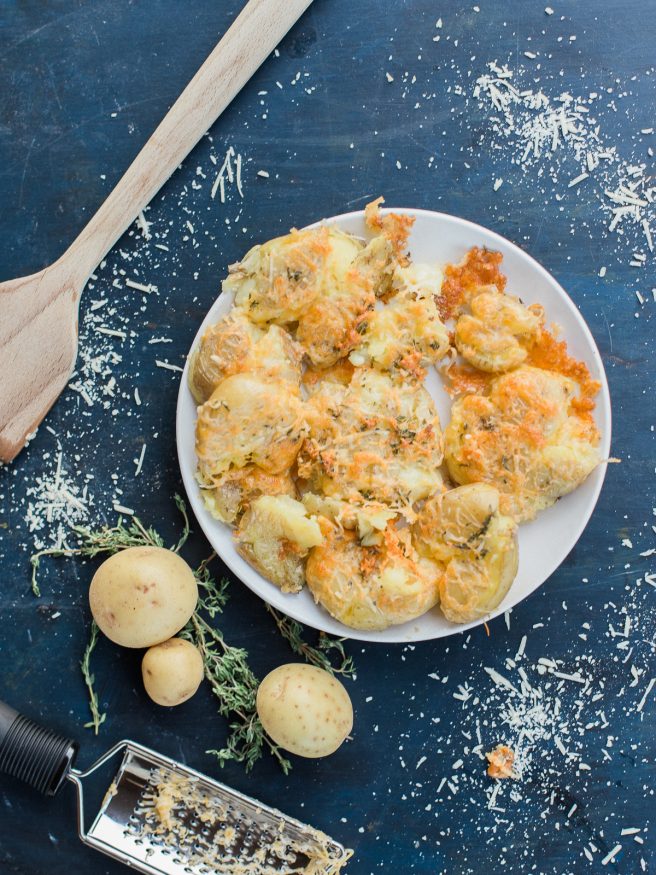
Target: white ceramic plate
[[543, 543]]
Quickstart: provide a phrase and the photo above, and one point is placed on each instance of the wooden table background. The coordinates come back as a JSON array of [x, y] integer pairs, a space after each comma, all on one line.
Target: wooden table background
[[84, 82]]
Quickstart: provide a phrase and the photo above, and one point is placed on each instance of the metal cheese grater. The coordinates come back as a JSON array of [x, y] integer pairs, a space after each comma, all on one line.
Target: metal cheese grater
[[159, 816]]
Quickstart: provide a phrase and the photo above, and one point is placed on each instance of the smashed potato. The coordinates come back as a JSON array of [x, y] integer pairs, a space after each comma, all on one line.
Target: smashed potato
[[235, 345], [407, 334], [372, 587], [275, 535], [374, 440], [277, 281], [524, 438], [328, 329], [237, 488], [464, 530], [497, 334], [248, 419]]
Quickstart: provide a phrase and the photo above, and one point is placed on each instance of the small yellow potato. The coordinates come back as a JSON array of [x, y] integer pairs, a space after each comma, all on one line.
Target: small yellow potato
[[172, 671], [142, 596], [305, 710]]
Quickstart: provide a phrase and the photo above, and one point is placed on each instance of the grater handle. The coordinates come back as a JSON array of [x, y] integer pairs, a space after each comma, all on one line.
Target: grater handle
[[32, 753]]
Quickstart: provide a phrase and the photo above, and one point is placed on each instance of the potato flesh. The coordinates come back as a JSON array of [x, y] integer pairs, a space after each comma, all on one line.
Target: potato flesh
[[305, 710], [275, 535]]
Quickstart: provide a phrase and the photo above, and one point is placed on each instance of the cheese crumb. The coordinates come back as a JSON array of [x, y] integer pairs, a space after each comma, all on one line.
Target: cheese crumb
[[501, 761]]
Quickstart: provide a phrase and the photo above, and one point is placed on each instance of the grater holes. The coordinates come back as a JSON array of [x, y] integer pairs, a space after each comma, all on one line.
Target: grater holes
[[179, 820]]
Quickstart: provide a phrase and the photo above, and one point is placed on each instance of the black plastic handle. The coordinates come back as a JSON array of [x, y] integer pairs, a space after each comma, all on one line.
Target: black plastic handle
[[32, 753]]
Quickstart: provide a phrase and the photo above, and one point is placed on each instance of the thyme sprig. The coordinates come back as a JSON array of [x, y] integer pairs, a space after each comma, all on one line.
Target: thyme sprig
[[229, 675], [110, 539], [320, 655], [97, 717]]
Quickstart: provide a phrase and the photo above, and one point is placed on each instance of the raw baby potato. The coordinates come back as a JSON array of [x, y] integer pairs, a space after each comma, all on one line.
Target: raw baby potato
[[142, 596], [172, 671], [305, 710]]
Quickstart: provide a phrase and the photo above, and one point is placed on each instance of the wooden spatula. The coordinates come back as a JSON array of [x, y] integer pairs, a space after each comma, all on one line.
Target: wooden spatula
[[38, 313]]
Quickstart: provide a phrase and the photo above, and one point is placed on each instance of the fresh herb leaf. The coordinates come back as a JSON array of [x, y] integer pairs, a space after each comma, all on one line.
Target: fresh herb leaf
[[97, 718], [320, 655]]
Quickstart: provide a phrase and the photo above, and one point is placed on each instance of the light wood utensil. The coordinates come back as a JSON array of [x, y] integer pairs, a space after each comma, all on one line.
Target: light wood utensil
[[39, 313]]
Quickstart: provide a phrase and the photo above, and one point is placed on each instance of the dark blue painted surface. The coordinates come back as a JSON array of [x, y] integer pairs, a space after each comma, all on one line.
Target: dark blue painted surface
[[83, 84]]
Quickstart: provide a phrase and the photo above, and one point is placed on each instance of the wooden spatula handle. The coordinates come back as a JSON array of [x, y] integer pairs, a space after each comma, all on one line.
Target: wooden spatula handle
[[252, 37]]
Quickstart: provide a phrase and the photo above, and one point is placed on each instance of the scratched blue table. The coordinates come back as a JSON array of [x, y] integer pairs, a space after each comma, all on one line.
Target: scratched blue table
[[362, 99]]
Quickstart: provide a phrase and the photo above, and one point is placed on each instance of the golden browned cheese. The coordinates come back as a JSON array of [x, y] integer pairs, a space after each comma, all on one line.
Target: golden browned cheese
[[477, 272], [328, 328], [371, 587], [233, 493], [394, 227], [463, 379], [525, 438], [374, 440], [501, 761], [498, 332], [464, 529], [551, 354], [249, 419], [235, 345]]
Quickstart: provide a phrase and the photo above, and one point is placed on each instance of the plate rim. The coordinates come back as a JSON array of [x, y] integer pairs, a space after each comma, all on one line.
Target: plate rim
[[284, 601]]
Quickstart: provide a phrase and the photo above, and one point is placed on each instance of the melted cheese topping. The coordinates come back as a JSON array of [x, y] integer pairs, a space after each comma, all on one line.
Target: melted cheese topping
[[464, 530], [375, 440], [498, 333], [407, 334], [525, 438], [278, 280], [248, 419], [372, 587]]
